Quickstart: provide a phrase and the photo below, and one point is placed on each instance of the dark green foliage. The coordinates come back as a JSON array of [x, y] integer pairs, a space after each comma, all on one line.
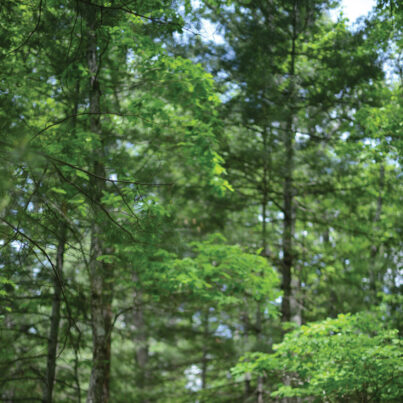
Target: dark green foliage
[[190, 221], [351, 358]]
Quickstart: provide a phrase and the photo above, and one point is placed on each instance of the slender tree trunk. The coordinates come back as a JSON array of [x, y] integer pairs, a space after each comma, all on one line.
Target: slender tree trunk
[[333, 310], [101, 321], [374, 248], [76, 370], [55, 318], [288, 196], [287, 304], [260, 385], [248, 392], [101, 273], [76, 342], [259, 338], [57, 295], [205, 323], [288, 224], [141, 342]]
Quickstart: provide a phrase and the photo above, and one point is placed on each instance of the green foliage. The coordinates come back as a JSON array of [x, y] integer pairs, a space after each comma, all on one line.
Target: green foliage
[[352, 357], [178, 184], [221, 274]]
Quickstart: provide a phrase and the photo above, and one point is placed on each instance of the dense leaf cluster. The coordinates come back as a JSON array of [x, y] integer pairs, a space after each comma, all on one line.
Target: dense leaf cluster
[[188, 220]]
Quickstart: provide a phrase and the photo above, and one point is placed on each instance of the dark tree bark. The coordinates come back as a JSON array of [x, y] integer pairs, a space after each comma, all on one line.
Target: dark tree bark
[[374, 271], [265, 190], [54, 319], [288, 196], [287, 302], [205, 323], [141, 342], [101, 273]]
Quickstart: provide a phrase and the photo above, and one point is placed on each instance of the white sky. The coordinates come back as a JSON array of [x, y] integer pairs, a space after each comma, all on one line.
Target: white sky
[[353, 9]]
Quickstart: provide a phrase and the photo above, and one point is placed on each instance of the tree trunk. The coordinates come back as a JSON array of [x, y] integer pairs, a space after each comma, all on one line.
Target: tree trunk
[[205, 323], [101, 273], [288, 196], [54, 318], [265, 252], [248, 391], [288, 224], [141, 342], [287, 303], [374, 271]]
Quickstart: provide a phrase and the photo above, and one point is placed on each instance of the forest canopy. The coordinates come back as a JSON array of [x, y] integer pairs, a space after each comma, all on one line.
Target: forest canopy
[[186, 218]]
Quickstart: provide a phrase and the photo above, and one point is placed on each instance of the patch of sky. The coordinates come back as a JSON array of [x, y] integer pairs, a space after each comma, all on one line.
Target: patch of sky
[[231, 92], [134, 151], [352, 9], [223, 331], [52, 80], [261, 218], [193, 377], [395, 277], [301, 137], [370, 142], [130, 56], [17, 245], [196, 319], [36, 271], [210, 32]]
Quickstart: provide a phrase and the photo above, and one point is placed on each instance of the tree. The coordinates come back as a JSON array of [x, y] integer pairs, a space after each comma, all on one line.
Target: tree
[[156, 188], [352, 357]]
